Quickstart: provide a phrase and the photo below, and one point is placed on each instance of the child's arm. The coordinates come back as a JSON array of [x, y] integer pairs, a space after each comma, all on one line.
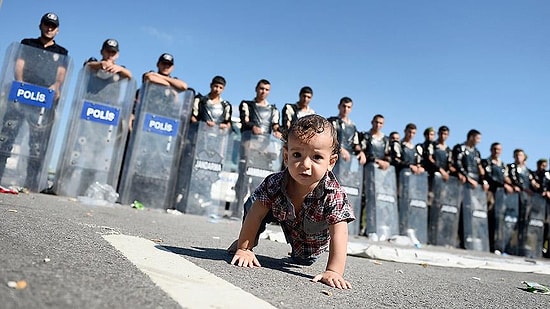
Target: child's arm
[[333, 275], [244, 256]]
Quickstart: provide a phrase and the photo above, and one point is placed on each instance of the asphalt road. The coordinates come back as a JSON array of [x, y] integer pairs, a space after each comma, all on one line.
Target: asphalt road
[[61, 249]]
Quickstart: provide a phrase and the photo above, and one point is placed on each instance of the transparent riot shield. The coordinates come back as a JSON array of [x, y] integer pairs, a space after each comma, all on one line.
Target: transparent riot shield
[[511, 224], [260, 156], [495, 218], [350, 176], [474, 219], [523, 221], [546, 240], [506, 221], [202, 195], [535, 227], [154, 150], [443, 217], [97, 131], [31, 103], [413, 199], [230, 175], [381, 201]]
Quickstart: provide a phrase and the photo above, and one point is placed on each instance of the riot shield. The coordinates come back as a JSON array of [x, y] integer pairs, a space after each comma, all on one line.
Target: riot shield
[[506, 221], [535, 227], [381, 201], [495, 217], [443, 214], [204, 169], [546, 241], [260, 156], [350, 176], [30, 110], [224, 188], [524, 206], [474, 219], [413, 198], [154, 150], [97, 131]]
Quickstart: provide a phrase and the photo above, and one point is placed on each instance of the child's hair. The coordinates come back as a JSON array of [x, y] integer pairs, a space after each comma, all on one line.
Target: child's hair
[[305, 128]]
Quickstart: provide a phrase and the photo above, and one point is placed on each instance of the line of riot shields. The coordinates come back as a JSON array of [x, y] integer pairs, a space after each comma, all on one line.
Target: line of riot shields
[[163, 161], [457, 215], [167, 162], [97, 148]]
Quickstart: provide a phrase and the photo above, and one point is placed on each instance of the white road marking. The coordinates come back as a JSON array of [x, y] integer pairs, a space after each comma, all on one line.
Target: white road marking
[[188, 284]]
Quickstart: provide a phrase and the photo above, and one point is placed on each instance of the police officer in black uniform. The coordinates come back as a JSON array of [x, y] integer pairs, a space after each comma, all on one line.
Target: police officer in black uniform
[[258, 117], [40, 65], [212, 108], [496, 176], [375, 144], [348, 137], [466, 160], [404, 154]]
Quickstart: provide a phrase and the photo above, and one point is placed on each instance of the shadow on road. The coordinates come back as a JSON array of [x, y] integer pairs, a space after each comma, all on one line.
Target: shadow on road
[[285, 265]]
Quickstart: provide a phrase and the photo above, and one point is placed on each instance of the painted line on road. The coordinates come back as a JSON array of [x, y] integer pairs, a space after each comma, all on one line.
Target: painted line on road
[[188, 284]]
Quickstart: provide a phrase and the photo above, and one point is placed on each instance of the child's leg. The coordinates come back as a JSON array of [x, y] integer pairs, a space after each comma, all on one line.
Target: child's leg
[[303, 261]]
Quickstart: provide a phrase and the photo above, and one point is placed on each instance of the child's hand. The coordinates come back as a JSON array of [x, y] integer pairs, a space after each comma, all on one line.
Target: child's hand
[[245, 258], [332, 279]]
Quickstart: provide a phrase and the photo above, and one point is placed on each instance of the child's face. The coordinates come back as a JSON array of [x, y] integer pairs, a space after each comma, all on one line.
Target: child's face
[[308, 162]]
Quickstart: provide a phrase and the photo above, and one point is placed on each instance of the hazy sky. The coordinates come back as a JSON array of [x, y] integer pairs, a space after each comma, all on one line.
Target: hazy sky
[[466, 64]]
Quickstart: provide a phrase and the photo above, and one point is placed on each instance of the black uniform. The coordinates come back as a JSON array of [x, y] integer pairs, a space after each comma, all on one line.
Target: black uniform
[[291, 112], [467, 161], [265, 117], [374, 148], [403, 156], [203, 110]]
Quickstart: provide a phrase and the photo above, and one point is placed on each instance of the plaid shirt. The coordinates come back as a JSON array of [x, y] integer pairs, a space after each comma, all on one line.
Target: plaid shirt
[[307, 232]]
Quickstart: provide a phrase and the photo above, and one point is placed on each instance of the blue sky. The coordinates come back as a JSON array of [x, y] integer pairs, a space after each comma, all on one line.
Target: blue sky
[[466, 64]]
